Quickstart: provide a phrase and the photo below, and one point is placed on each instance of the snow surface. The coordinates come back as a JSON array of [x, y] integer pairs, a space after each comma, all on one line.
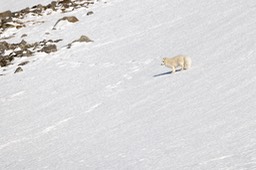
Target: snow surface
[[110, 105]]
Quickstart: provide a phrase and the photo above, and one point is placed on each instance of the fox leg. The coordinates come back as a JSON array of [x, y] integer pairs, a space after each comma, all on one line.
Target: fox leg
[[182, 66], [173, 69]]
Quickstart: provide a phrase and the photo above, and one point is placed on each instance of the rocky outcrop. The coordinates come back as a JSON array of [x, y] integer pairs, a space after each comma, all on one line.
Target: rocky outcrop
[[8, 19], [24, 49]]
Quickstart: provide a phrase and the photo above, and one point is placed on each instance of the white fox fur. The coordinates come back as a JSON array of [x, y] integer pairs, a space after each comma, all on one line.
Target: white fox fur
[[178, 61]]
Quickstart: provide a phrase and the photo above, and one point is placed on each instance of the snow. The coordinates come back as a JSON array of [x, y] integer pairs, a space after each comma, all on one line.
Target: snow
[[109, 104]]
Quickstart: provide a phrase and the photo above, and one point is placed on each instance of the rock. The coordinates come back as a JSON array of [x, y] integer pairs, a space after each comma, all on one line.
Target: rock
[[24, 35], [38, 9], [6, 16], [65, 4], [23, 45], [18, 53], [52, 5], [27, 53], [25, 11], [49, 48], [71, 19], [5, 60], [23, 63], [84, 38], [3, 47], [89, 13], [22, 13], [19, 69], [58, 40]]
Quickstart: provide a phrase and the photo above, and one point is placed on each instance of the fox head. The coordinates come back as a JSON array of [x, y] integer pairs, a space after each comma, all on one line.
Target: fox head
[[163, 62]]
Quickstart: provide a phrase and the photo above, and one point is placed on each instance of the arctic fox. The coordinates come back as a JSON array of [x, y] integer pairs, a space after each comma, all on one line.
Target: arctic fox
[[179, 60]]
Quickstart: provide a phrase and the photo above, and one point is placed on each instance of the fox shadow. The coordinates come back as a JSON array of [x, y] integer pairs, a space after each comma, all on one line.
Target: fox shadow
[[166, 73]]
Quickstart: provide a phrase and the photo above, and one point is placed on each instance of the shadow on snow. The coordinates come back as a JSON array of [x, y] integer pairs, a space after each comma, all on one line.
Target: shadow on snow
[[165, 73]]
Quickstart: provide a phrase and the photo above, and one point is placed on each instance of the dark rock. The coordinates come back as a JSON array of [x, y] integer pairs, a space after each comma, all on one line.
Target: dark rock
[[3, 46], [19, 69], [52, 5], [21, 14], [58, 40], [6, 60], [24, 35], [38, 9], [23, 63], [49, 48], [6, 16], [25, 11], [89, 13]]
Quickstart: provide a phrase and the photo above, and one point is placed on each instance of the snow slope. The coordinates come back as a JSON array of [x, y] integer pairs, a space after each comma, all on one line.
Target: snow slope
[[110, 105]]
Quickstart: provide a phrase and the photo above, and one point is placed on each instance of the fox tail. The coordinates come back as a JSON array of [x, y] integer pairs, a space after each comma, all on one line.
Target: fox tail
[[187, 61]]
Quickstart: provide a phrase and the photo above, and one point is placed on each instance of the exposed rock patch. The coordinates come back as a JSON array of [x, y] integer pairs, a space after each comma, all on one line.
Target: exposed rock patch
[[6, 16], [24, 49], [9, 19], [6, 60]]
